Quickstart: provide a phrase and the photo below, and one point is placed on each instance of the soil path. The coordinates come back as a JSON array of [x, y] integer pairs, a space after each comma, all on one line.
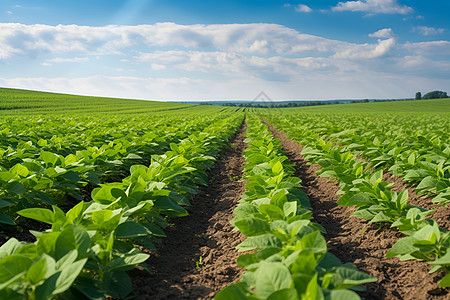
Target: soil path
[[205, 233], [353, 240]]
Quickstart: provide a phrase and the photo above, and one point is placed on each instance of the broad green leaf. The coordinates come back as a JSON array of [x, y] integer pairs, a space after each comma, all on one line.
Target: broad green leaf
[[235, 291], [118, 284], [277, 168], [259, 242], [12, 265], [272, 277], [49, 158], [10, 247], [38, 214], [37, 271], [313, 290], [130, 229], [4, 219], [445, 282], [60, 281], [285, 294], [20, 170], [253, 226], [16, 187], [72, 238], [342, 295]]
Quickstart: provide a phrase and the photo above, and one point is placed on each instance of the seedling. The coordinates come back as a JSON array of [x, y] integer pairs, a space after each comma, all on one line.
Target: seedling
[[198, 263]]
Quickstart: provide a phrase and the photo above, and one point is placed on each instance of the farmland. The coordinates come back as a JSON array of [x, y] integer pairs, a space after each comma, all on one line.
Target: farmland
[[127, 198]]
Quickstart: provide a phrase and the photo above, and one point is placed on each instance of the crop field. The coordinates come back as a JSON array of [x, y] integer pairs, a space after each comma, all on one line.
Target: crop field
[[127, 199]]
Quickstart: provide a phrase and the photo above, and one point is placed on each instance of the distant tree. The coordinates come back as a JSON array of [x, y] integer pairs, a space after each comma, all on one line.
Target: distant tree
[[435, 95], [418, 95]]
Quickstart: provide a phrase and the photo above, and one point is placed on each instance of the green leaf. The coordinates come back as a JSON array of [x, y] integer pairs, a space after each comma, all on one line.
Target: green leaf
[[4, 219], [382, 217], [37, 271], [271, 277], [20, 170], [10, 247], [38, 214], [445, 282], [259, 242], [286, 294], [444, 260], [130, 229], [16, 187], [272, 211], [129, 261], [360, 199], [253, 226], [13, 265], [235, 291], [6, 176], [72, 238], [290, 209], [118, 284], [277, 168], [49, 157], [60, 281], [402, 246], [313, 290], [4, 203], [342, 295]]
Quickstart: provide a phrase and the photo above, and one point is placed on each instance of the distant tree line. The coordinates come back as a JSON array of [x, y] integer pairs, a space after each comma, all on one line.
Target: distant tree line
[[281, 105], [432, 95]]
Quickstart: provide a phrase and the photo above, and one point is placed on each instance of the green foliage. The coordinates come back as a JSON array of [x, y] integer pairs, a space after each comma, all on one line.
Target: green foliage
[[435, 95], [289, 258]]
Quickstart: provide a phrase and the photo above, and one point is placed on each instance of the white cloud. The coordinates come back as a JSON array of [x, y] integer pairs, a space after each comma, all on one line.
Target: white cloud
[[374, 7], [9, 12], [63, 60], [368, 51], [425, 30], [214, 61], [158, 67], [429, 48], [383, 33], [303, 8]]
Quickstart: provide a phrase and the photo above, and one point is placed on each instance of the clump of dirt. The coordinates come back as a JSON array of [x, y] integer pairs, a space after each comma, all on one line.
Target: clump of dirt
[[205, 233], [354, 240]]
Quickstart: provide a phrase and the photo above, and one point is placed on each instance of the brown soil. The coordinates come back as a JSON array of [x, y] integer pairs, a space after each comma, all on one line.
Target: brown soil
[[205, 233], [442, 214], [365, 245]]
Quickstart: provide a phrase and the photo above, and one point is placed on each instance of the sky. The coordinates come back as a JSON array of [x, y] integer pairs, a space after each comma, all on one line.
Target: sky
[[226, 50]]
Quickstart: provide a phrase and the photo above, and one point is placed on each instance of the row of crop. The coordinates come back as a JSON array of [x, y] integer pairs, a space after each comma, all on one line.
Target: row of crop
[[38, 177], [87, 251], [416, 150], [377, 203], [289, 257]]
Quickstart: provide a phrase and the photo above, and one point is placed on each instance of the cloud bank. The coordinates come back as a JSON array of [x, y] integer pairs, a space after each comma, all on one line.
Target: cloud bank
[[170, 61]]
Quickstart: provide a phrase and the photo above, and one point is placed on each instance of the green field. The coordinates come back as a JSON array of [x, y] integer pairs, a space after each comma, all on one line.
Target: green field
[[89, 185], [25, 102], [415, 106]]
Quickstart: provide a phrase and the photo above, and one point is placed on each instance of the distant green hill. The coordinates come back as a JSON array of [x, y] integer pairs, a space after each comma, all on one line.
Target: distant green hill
[[412, 106], [26, 102]]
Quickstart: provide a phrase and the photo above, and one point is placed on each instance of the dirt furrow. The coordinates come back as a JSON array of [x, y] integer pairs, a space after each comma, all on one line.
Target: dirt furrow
[[353, 240], [198, 257]]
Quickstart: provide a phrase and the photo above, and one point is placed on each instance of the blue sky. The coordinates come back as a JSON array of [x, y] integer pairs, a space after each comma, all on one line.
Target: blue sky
[[207, 50]]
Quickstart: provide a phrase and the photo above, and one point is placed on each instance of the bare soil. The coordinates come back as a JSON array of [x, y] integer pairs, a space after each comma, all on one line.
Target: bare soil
[[205, 233], [365, 245]]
